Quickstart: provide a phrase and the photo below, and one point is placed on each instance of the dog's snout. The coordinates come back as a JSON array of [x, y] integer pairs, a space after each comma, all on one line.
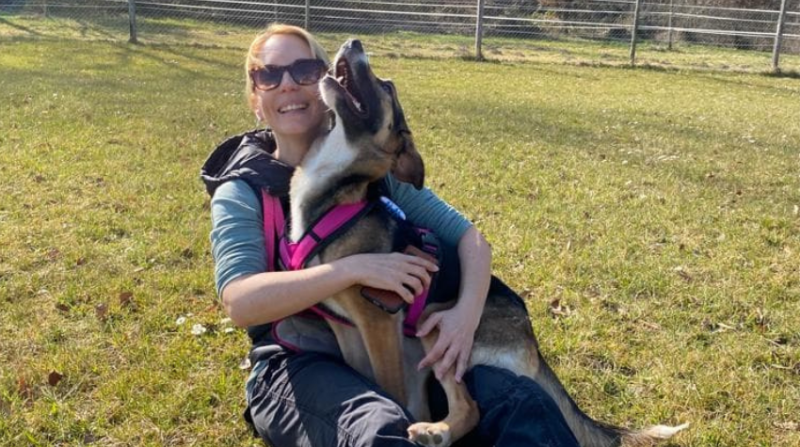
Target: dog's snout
[[355, 44]]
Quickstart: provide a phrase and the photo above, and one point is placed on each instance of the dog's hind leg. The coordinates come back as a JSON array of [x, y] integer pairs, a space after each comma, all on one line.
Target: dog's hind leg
[[463, 414]]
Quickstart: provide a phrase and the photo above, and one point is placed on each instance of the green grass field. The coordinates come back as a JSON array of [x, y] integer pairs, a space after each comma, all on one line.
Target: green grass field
[[660, 207]]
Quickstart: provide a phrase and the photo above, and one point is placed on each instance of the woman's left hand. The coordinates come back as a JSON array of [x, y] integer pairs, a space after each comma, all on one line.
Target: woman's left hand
[[454, 344]]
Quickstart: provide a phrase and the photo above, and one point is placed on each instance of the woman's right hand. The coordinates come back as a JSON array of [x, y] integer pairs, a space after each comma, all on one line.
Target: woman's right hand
[[403, 274]]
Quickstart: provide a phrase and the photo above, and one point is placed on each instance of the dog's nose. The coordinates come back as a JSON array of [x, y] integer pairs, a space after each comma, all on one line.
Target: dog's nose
[[355, 44]]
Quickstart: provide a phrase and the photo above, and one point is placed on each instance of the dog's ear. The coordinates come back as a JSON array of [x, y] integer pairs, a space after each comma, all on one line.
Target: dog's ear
[[408, 166]]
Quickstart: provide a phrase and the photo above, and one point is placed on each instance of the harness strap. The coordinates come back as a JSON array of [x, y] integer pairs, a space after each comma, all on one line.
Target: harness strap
[[294, 255], [274, 225], [416, 308], [272, 222]]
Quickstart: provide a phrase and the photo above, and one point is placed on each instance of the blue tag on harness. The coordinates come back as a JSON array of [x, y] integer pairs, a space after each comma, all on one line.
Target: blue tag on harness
[[393, 208]]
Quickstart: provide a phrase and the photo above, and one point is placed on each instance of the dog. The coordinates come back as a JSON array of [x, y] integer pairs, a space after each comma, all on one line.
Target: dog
[[370, 138]]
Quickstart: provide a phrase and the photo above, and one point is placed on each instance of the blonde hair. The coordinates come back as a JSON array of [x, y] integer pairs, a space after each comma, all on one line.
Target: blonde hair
[[253, 61]]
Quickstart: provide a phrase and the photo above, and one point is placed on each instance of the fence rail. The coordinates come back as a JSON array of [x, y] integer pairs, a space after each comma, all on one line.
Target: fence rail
[[761, 25]]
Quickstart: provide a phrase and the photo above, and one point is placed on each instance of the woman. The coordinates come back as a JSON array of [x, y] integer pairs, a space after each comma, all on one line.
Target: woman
[[311, 397]]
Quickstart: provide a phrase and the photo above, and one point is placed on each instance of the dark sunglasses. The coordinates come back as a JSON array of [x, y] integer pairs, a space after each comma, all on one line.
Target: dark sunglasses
[[303, 71]]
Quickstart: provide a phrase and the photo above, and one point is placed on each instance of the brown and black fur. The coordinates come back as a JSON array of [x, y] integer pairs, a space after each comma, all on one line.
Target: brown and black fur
[[369, 139]]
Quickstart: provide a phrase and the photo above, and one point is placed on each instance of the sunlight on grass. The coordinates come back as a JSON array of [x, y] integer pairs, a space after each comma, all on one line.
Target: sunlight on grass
[[659, 206]]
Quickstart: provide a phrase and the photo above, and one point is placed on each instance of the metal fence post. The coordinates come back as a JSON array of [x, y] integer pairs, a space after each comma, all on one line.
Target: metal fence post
[[776, 50], [669, 33], [634, 31], [479, 31], [308, 15], [132, 19]]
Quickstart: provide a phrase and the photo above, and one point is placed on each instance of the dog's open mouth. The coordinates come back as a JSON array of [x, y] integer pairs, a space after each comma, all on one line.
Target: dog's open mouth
[[344, 76]]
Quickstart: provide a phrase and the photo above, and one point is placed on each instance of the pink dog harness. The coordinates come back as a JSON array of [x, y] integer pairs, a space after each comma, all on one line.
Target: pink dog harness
[[295, 255]]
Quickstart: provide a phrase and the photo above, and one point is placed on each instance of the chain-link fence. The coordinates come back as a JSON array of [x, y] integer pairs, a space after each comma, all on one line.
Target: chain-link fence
[[763, 33]]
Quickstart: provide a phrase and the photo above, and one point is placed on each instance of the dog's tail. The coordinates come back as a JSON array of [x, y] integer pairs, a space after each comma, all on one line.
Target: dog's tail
[[591, 433], [650, 435]]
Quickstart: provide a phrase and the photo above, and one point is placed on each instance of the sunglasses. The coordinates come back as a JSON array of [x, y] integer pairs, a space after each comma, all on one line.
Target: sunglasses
[[303, 71]]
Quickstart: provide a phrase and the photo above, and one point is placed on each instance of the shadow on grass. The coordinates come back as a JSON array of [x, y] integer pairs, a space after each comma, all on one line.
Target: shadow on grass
[[561, 129], [789, 74], [123, 54], [20, 27], [753, 81], [184, 51], [86, 28]]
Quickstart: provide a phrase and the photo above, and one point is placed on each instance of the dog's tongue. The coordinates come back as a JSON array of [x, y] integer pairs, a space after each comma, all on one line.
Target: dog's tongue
[[344, 75]]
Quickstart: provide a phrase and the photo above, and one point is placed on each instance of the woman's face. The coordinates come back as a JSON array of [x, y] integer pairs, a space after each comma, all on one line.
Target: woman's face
[[290, 109]]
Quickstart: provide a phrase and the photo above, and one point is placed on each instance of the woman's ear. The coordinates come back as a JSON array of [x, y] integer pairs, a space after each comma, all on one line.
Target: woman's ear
[[259, 115]]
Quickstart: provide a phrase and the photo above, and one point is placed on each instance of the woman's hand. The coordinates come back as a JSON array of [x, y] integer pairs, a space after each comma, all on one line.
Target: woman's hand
[[457, 326], [454, 344], [405, 275]]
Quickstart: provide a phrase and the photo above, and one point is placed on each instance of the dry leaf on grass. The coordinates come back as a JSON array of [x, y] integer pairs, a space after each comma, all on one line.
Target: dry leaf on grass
[[23, 388], [683, 274], [789, 425], [126, 299], [101, 311], [649, 325], [54, 377], [62, 307], [716, 327], [53, 254], [557, 309], [722, 327]]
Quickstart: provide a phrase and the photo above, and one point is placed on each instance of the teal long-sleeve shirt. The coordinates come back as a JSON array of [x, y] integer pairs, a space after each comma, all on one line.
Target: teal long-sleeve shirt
[[237, 234]]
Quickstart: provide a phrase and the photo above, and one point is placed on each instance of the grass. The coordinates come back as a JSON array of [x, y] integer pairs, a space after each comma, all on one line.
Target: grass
[[660, 207]]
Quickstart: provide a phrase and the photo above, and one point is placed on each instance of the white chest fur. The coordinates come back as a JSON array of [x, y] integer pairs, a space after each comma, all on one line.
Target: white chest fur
[[323, 163]]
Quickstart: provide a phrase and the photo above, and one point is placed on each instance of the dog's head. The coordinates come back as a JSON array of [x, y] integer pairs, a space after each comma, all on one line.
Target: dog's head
[[370, 114]]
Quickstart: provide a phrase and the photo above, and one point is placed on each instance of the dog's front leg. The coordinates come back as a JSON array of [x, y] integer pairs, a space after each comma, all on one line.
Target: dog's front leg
[[463, 414], [381, 334], [383, 343]]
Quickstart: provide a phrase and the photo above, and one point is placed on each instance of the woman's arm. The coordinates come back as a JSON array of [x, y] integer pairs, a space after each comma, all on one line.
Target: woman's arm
[[457, 325], [266, 297]]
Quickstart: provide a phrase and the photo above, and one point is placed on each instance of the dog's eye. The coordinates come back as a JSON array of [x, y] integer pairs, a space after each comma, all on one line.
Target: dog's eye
[[387, 87]]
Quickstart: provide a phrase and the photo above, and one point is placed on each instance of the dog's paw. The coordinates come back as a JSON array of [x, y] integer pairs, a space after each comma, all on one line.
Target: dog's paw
[[430, 434]]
